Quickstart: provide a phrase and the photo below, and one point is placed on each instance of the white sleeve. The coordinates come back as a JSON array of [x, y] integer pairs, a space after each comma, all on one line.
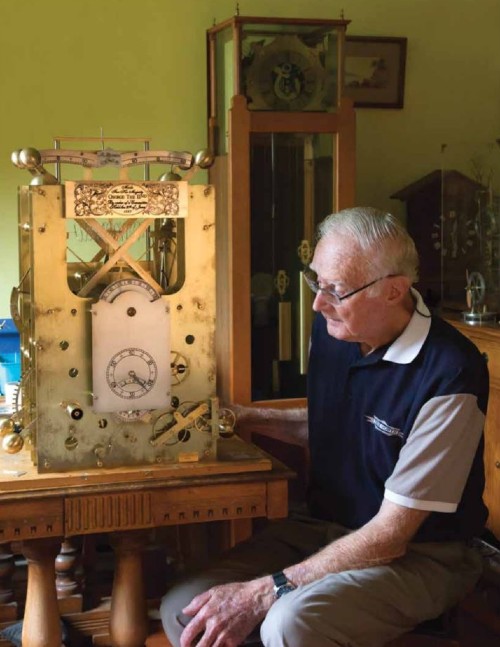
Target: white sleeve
[[435, 461]]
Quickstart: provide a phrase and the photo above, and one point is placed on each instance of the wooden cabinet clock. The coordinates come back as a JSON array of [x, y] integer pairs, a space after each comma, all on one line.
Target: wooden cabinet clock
[[283, 139]]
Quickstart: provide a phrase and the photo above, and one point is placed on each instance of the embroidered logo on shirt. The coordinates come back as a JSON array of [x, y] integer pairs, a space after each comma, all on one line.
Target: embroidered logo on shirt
[[382, 426]]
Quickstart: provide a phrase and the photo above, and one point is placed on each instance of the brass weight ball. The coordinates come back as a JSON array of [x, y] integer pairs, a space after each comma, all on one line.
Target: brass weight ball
[[6, 426], [12, 443]]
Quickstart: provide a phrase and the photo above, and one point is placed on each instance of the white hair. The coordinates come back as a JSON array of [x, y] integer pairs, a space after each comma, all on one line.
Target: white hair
[[383, 242]]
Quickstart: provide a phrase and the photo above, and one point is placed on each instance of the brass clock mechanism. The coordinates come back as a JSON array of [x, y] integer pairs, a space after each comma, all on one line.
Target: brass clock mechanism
[[116, 313]]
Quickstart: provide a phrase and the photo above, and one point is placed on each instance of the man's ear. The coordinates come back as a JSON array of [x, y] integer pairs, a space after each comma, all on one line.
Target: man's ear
[[398, 289]]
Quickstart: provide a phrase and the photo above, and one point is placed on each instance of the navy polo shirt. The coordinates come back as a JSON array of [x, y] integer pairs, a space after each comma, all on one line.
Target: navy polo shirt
[[404, 422]]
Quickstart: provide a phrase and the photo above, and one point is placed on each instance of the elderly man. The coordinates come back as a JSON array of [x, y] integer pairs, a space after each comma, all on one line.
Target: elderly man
[[396, 406]]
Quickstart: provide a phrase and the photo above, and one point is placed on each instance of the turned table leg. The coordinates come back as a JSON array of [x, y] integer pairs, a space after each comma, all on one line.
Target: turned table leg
[[128, 622], [8, 604], [67, 561], [41, 625], [7, 568]]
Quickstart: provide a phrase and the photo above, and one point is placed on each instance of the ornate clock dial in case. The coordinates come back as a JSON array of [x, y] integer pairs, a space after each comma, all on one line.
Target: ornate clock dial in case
[[285, 75]]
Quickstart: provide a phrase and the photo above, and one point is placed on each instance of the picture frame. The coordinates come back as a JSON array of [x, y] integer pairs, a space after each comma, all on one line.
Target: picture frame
[[374, 72]]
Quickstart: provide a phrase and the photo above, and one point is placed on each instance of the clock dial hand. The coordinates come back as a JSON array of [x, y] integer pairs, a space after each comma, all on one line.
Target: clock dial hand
[[137, 379]]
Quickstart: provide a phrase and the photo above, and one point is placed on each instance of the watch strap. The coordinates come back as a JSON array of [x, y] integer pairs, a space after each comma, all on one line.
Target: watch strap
[[279, 579], [282, 585]]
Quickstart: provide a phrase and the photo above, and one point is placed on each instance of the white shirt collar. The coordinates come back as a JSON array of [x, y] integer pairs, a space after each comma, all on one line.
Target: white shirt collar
[[407, 346]]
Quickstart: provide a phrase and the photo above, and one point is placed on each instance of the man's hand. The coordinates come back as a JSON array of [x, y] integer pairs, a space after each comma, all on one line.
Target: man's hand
[[226, 614]]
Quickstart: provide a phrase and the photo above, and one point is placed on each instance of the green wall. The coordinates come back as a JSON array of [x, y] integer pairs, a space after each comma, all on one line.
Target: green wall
[[136, 68]]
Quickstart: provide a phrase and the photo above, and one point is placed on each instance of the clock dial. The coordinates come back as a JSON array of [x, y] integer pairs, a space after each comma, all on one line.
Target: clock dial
[[285, 75], [116, 288], [130, 350], [131, 373], [132, 415]]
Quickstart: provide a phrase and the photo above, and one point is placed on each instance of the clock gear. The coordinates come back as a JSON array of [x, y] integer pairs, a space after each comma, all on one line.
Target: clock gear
[[175, 426]]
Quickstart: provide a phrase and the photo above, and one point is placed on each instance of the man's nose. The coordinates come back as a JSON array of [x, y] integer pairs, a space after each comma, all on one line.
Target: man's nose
[[320, 301]]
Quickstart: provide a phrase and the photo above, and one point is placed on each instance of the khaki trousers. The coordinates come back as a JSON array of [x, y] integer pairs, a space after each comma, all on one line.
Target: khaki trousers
[[357, 608]]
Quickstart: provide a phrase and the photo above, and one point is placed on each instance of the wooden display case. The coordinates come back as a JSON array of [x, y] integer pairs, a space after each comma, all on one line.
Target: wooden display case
[[438, 207], [284, 142]]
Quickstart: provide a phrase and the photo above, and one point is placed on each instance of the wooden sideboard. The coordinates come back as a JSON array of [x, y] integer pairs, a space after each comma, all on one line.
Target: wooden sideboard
[[483, 604], [39, 511], [487, 339]]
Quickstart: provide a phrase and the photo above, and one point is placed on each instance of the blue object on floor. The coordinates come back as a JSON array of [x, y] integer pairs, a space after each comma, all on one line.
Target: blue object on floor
[[10, 354], [13, 633]]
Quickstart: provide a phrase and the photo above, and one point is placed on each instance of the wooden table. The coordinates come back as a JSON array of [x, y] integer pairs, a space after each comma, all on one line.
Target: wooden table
[[40, 510]]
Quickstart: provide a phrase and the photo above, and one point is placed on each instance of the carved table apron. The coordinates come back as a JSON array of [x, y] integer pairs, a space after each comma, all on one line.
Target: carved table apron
[[40, 510]]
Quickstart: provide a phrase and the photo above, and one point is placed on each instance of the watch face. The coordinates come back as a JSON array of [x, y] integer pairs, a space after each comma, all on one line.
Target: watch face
[[281, 584], [283, 590], [285, 75]]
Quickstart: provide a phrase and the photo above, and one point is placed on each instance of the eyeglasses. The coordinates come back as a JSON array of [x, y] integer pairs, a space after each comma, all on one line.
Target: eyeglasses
[[330, 294]]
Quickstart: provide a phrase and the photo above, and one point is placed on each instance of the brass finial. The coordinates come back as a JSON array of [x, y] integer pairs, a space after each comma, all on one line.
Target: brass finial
[[30, 159]]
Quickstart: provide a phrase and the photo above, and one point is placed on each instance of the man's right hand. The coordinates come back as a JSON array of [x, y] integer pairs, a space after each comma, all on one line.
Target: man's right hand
[[226, 614]]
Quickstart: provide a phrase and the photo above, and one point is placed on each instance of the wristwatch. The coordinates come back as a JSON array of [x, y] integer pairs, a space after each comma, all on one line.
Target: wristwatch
[[282, 585]]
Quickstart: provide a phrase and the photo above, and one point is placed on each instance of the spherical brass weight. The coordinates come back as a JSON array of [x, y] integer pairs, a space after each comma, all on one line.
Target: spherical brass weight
[[6, 427], [12, 443], [204, 158]]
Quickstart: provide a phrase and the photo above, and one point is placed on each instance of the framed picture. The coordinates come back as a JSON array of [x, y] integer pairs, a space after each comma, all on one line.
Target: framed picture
[[375, 71]]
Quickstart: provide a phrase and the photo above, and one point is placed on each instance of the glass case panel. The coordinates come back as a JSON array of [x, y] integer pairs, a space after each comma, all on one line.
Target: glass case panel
[[224, 84], [293, 189], [290, 67], [468, 234]]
